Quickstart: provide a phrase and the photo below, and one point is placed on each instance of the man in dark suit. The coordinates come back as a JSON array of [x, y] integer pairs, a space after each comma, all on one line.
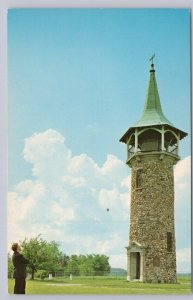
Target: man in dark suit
[[19, 263]]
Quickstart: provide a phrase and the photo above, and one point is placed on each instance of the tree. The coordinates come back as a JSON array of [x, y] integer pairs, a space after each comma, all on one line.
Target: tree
[[53, 256], [41, 255], [73, 265], [88, 265], [101, 264], [64, 260], [10, 267]]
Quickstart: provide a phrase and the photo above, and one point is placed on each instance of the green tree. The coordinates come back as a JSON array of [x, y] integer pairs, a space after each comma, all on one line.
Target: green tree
[[52, 255], [64, 260], [88, 265], [41, 255], [73, 267], [101, 264], [10, 267]]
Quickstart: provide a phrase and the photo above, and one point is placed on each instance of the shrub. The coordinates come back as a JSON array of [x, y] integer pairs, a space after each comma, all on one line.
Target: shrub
[[42, 274], [10, 268]]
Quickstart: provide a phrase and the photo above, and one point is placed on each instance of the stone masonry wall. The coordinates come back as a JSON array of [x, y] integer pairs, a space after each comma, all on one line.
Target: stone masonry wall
[[152, 215]]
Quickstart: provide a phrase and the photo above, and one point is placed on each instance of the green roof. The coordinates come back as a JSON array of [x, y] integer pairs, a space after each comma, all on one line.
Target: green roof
[[152, 113]]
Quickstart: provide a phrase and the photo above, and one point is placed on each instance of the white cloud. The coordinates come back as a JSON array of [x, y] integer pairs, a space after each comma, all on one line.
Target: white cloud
[[61, 214], [184, 260], [75, 182], [43, 145], [48, 155], [112, 165], [23, 199], [109, 198], [118, 260], [126, 182], [69, 196], [182, 175], [182, 183], [76, 202]]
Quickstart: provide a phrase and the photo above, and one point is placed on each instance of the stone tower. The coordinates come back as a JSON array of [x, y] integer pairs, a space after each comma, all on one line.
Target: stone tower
[[152, 151]]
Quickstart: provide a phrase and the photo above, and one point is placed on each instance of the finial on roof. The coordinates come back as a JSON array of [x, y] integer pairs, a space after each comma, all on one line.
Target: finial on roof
[[151, 59], [152, 64]]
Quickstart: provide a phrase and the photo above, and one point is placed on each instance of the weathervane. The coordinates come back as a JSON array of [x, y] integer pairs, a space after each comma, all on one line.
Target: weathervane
[[151, 59]]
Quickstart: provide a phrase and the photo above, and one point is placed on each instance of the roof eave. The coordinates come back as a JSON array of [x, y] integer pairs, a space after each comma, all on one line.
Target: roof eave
[[123, 139]]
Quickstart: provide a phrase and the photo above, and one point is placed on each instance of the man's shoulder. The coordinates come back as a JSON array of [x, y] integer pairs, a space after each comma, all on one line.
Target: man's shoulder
[[16, 255]]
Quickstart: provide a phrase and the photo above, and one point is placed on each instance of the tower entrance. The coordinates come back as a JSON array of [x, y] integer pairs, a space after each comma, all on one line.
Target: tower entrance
[[135, 260], [135, 265]]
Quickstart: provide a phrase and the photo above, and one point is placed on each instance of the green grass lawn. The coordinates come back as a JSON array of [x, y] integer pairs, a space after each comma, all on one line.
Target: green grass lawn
[[104, 285]]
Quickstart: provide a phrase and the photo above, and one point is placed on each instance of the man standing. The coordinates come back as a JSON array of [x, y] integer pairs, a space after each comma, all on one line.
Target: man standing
[[19, 263]]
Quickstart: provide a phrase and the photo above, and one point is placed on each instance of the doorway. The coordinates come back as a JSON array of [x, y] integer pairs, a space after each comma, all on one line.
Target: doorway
[[135, 265]]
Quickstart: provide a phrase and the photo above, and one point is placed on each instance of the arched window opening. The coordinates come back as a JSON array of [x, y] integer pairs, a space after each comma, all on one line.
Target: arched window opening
[[130, 151], [171, 143], [150, 140], [131, 146]]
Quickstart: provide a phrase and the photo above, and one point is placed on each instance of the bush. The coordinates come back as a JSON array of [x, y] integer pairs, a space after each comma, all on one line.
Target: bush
[[10, 268], [42, 274]]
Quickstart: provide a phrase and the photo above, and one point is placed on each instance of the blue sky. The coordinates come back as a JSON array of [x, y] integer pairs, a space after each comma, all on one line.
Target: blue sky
[[81, 75], [85, 73]]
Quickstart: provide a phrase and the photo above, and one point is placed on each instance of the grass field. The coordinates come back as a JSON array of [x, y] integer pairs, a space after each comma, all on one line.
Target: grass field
[[104, 285]]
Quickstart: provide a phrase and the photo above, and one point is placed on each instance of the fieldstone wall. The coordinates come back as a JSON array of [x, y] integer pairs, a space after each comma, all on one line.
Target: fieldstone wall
[[152, 215]]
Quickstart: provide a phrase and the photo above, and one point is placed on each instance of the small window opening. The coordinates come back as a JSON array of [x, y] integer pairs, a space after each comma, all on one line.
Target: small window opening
[[169, 241], [139, 178]]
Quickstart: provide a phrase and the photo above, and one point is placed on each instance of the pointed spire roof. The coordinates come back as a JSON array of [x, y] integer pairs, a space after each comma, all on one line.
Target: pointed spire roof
[[152, 113]]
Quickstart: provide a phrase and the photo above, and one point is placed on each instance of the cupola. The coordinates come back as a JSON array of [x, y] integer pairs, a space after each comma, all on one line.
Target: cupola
[[153, 132]]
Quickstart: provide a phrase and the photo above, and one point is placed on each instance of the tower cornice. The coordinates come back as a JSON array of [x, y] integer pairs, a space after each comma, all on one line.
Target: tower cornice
[[156, 155]]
